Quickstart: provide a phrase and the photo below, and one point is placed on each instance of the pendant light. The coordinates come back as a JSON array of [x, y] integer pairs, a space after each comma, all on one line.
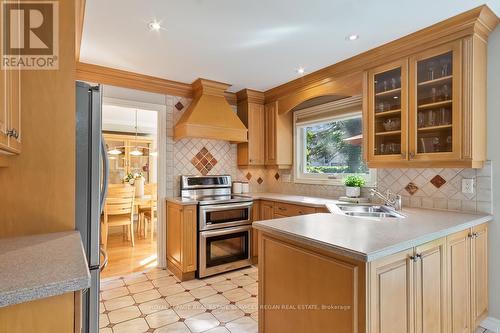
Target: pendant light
[[136, 151]]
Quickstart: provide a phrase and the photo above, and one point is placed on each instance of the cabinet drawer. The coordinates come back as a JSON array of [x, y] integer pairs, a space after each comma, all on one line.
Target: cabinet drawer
[[292, 210]]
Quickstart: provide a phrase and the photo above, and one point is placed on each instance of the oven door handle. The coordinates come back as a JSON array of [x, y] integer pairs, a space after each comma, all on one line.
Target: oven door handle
[[212, 208], [226, 231]]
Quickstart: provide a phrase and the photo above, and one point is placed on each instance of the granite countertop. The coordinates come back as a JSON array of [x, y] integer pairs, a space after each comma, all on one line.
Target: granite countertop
[[368, 239], [39, 266]]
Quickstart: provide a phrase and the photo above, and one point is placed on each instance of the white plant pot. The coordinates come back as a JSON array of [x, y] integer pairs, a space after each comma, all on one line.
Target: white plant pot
[[352, 192]]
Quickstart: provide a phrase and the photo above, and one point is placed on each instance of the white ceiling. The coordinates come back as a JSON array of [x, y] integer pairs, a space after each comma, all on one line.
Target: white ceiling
[[250, 44]]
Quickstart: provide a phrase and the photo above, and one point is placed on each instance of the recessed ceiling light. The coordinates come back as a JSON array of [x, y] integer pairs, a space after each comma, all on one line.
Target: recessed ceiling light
[[352, 37], [301, 70], [154, 26]]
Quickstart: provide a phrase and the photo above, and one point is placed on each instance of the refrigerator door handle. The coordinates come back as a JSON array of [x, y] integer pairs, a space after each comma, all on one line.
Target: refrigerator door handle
[[104, 262], [105, 178]]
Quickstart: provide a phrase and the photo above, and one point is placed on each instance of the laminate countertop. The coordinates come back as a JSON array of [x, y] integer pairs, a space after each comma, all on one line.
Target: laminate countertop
[[279, 197], [369, 239], [39, 266]]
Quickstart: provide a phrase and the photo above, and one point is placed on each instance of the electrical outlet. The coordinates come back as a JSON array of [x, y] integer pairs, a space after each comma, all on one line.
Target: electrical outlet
[[467, 185]]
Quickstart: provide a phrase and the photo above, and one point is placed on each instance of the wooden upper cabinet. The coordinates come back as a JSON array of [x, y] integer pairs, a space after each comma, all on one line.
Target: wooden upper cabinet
[[388, 113], [278, 137], [429, 108], [10, 111], [251, 113], [435, 104]]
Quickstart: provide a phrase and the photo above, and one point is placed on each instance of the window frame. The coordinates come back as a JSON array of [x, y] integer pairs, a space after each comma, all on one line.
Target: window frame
[[299, 151]]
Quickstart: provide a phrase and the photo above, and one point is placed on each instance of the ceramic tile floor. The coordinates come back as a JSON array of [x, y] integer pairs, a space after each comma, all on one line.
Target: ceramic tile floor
[[156, 301]]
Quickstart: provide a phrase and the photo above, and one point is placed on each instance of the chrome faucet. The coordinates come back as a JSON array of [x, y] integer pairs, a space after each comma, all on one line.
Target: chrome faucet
[[390, 199]]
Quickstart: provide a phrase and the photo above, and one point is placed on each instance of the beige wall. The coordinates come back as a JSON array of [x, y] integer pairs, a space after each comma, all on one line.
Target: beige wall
[[37, 188]]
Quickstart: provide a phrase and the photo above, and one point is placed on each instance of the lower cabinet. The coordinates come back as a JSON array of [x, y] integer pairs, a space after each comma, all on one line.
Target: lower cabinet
[[467, 278], [390, 294], [255, 232], [45, 315], [268, 210], [440, 286], [181, 240]]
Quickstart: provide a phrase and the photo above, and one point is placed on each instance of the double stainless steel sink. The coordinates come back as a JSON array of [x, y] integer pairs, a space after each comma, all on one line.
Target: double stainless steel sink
[[376, 211]]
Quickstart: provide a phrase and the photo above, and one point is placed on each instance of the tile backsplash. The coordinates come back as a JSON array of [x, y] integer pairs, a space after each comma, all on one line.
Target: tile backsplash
[[427, 188]]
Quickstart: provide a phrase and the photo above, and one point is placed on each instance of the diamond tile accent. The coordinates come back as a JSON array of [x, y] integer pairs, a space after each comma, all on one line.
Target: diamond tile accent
[[204, 161], [179, 106], [411, 188], [260, 180], [277, 176], [248, 176], [438, 181]]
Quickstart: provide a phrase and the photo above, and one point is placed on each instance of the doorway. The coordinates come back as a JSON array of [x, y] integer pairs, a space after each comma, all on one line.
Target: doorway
[[131, 134]]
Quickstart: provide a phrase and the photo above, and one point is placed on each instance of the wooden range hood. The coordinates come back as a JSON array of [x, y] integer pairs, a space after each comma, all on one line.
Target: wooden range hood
[[209, 116]]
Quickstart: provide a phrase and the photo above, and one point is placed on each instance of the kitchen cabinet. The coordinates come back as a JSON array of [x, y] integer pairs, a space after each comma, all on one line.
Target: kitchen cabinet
[[458, 249], [10, 112], [181, 240], [428, 109], [391, 301], [467, 281], [284, 210], [278, 137], [255, 232], [479, 274], [251, 113], [266, 210], [407, 291], [121, 159], [46, 315], [430, 287]]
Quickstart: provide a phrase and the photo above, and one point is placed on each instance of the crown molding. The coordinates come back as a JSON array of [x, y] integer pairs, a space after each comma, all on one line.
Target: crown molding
[[250, 96], [131, 80]]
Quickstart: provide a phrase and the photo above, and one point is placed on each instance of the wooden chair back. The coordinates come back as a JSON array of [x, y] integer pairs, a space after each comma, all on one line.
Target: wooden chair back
[[120, 200]]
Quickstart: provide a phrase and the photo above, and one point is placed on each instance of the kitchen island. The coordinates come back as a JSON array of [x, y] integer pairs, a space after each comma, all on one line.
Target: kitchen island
[[336, 273]]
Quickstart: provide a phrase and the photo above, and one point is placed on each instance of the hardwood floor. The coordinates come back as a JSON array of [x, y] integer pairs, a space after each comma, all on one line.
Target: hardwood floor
[[124, 259]]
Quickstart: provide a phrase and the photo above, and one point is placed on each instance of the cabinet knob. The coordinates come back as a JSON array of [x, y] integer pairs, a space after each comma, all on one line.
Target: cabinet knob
[[13, 133]]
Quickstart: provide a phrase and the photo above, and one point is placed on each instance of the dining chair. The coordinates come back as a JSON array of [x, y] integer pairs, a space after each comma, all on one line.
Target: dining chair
[[147, 213], [119, 211]]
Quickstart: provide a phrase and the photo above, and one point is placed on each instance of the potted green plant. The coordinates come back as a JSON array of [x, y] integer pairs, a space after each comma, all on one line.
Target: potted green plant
[[353, 186]]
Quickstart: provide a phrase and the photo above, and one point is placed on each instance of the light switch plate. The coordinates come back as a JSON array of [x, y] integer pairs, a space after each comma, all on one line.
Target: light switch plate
[[467, 185]]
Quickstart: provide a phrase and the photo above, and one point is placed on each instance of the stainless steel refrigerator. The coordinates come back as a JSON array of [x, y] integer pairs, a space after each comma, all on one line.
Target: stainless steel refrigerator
[[91, 185]]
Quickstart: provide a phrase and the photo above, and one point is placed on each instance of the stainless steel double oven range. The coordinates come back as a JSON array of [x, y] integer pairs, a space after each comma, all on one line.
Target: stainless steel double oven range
[[224, 224]]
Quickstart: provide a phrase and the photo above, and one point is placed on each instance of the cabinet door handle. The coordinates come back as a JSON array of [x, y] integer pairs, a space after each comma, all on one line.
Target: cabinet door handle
[[282, 208], [403, 155], [13, 133], [412, 155]]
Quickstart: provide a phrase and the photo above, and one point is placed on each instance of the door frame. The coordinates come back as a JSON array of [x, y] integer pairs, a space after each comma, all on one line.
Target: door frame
[[161, 134]]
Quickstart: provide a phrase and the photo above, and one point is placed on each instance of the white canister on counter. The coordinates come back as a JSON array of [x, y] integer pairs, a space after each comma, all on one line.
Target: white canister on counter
[[245, 187], [237, 187]]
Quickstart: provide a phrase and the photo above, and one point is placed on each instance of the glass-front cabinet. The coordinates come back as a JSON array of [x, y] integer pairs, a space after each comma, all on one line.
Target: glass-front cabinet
[[417, 110], [435, 103], [387, 112]]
